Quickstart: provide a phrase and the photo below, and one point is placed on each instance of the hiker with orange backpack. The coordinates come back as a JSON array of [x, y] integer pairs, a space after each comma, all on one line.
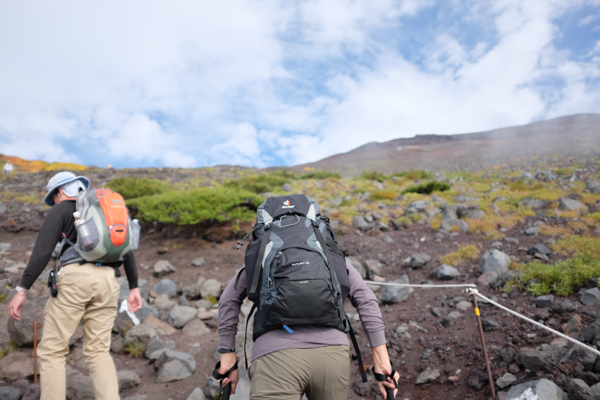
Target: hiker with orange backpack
[[96, 236]]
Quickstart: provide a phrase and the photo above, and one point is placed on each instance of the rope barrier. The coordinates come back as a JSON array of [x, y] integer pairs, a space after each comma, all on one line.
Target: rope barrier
[[472, 291], [475, 293], [467, 285], [508, 310]]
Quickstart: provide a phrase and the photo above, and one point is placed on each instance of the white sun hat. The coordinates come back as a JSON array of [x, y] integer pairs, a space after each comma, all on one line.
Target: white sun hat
[[70, 183]]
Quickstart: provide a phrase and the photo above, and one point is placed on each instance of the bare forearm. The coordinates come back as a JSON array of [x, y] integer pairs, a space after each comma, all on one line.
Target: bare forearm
[[381, 360]]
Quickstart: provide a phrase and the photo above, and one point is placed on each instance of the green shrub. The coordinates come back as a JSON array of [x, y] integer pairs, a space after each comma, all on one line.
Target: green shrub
[[286, 173], [134, 349], [194, 206], [374, 176], [413, 174], [428, 188], [565, 276], [319, 174], [133, 187], [258, 183]]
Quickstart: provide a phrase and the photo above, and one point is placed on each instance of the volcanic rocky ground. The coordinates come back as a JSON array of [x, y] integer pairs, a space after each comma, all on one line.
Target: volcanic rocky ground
[[432, 333]]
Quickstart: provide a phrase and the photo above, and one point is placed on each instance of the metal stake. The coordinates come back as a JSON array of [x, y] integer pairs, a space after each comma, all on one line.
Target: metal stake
[[487, 360]]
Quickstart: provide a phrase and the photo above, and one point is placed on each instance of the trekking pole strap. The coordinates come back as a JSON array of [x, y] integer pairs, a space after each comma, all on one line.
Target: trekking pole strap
[[361, 366], [383, 378], [219, 376]]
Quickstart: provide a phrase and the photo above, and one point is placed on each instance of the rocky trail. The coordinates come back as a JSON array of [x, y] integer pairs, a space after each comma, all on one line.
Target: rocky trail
[[432, 333]]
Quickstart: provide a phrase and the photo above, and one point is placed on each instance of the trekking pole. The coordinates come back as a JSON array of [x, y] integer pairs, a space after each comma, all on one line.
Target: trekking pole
[[389, 393], [485, 355], [35, 351]]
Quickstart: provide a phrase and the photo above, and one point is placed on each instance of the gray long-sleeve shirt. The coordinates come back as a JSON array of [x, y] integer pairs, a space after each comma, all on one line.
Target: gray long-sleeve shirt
[[304, 337]]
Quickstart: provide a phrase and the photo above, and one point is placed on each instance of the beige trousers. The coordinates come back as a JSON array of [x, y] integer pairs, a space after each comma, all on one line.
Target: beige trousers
[[84, 291], [323, 373]]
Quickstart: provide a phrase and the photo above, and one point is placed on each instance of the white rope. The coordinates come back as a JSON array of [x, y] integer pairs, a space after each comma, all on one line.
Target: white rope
[[578, 343], [468, 285], [472, 291]]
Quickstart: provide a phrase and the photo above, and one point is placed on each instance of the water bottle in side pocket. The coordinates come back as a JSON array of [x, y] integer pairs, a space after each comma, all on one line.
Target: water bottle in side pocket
[[135, 234]]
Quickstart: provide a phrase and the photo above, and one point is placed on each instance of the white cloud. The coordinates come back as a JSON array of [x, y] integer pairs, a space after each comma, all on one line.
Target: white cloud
[[193, 83]]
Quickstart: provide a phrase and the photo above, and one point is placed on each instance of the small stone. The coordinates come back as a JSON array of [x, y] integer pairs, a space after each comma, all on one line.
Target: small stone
[[174, 365], [451, 319], [203, 314], [439, 311], [198, 262], [181, 315], [463, 306], [195, 328], [427, 376], [446, 272], [417, 260], [532, 231], [490, 325], [212, 288], [9, 393], [166, 287], [544, 301], [162, 328], [197, 393], [394, 294], [162, 268], [488, 278], [506, 380], [494, 260], [127, 379], [590, 297]]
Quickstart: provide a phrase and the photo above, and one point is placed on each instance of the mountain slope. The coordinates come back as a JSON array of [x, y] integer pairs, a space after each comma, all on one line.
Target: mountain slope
[[566, 136]]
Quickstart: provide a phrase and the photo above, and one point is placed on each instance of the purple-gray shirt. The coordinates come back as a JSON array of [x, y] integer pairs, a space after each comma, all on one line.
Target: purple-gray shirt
[[304, 337]]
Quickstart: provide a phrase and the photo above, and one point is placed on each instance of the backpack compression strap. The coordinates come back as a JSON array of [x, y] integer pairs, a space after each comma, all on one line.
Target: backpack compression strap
[[325, 249], [246, 333], [259, 261]]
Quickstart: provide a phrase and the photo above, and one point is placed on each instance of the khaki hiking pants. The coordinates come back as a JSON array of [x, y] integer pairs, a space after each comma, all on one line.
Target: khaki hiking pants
[[84, 291], [323, 373]]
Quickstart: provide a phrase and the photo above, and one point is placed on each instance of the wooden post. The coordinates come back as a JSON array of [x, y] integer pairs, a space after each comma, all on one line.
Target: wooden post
[[35, 326]]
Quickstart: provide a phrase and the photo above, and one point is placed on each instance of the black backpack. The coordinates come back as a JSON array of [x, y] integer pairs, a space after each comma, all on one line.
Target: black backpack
[[295, 273]]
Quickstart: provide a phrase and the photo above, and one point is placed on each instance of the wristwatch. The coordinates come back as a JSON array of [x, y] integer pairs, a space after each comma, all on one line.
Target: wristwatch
[[223, 351], [20, 289]]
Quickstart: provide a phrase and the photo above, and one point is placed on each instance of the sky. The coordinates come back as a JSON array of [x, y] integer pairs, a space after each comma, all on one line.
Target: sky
[[147, 83]]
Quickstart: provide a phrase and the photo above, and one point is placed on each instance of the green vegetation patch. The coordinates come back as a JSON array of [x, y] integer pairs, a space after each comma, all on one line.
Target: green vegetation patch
[[374, 176], [319, 174], [428, 188], [133, 187], [195, 206], [134, 349], [258, 183], [565, 276], [413, 174]]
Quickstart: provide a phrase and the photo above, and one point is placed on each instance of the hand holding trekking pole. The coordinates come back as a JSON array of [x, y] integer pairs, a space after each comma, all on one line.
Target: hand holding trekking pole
[[227, 374], [385, 373]]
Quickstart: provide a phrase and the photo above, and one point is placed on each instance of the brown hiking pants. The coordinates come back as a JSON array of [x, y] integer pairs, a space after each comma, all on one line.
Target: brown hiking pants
[[323, 373], [84, 291]]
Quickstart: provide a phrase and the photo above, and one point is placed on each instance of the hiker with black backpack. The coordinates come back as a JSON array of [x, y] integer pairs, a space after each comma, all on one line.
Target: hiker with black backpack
[[298, 280], [96, 237]]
